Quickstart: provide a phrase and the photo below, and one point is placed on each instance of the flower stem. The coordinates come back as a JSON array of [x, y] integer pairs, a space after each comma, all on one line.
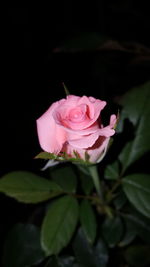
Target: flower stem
[[94, 174]]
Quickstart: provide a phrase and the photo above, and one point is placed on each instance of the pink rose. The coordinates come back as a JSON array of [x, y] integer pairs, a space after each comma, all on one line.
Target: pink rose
[[74, 125]]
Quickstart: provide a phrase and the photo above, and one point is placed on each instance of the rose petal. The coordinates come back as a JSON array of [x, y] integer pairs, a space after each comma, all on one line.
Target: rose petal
[[89, 140], [98, 149], [85, 141], [95, 106], [113, 120], [51, 136]]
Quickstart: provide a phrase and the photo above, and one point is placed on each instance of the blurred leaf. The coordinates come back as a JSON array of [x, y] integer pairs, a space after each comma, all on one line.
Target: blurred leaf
[[86, 183], [66, 261], [138, 255], [130, 233], [101, 253], [123, 156], [22, 246], [112, 171], [112, 230], [140, 223], [82, 42], [59, 224], [137, 190], [63, 261], [83, 250], [52, 262], [88, 220], [83, 169], [89, 256], [28, 187], [120, 200], [65, 177], [134, 103], [138, 112]]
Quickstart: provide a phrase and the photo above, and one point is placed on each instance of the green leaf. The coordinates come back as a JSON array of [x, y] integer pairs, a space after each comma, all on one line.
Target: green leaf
[[138, 112], [59, 224], [120, 200], [140, 145], [28, 187], [83, 250], [130, 233], [137, 190], [134, 103], [101, 253], [46, 155], [66, 178], [66, 261], [86, 183], [112, 231], [52, 262], [22, 246], [64, 157], [88, 220], [125, 153], [112, 171], [139, 223], [138, 255], [89, 256]]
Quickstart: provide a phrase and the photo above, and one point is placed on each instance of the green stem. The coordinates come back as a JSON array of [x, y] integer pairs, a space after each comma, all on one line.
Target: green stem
[[94, 174]]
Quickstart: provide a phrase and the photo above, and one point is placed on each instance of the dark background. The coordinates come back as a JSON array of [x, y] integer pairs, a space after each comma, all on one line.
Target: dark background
[[100, 49]]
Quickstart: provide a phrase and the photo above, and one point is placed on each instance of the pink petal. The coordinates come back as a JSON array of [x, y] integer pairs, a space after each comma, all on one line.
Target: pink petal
[[96, 151], [51, 136], [85, 141], [113, 120], [106, 131]]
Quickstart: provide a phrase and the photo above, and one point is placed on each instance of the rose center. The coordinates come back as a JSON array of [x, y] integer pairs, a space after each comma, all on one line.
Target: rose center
[[77, 114]]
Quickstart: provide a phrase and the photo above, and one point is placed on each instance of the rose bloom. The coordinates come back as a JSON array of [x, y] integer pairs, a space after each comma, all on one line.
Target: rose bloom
[[73, 125]]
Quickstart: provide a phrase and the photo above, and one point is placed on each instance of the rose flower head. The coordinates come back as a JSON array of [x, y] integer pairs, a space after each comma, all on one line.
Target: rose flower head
[[72, 128]]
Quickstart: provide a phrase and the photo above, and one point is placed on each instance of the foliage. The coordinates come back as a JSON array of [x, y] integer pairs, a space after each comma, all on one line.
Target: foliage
[[82, 228]]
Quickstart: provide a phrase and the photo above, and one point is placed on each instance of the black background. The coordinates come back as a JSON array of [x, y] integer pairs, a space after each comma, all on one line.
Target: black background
[[33, 70]]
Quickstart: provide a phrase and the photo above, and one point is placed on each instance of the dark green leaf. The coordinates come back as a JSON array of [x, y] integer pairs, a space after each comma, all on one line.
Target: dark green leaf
[[138, 255], [112, 171], [120, 200], [130, 233], [137, 190], [123, 156], [59, 224], [66, 261], [28, 187], [88, 220], [83, 250], [89, 256], [112, 230], [66, 178], [138, 112], [101, 253], [86, 183], [134, 103], [22, 246], [52, 262], [140, 223]]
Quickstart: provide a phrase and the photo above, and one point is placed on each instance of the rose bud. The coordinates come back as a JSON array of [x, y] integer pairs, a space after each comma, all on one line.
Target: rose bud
[[73, 127]]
